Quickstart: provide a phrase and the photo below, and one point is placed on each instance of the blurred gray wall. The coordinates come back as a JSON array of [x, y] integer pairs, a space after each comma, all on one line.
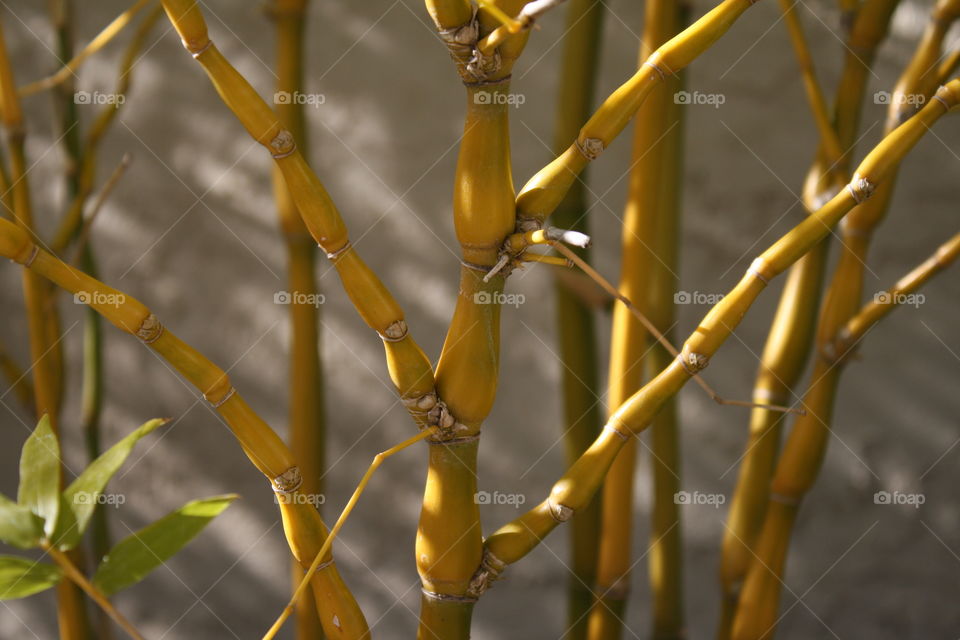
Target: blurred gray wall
[[191, 231]]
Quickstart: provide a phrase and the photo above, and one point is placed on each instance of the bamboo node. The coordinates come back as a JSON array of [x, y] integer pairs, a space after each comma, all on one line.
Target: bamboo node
[[282, 145], [219, 403], [150, 329], [560, 512], [447, 597], [333, 255], [448, 427], [196, 51], [653, 65], [623, 436], [288, 481], [528, 224], [756, 269], [34, 252], [590, 148], [395, 332], [692, 362], [860, 188], [489, 572], [946, 96]]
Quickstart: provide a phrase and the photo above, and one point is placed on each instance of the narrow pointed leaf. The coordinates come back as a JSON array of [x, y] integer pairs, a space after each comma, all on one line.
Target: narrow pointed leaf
[[134, 557], [80, 498], [40, 474], [20, 577], [18, 525]]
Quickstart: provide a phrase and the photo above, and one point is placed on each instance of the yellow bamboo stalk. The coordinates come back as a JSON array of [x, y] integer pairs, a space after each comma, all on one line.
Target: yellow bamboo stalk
[[306, 408], [575, 321], [791, 334], [652, 179], [800, 460], [304, 529], [514, 540]]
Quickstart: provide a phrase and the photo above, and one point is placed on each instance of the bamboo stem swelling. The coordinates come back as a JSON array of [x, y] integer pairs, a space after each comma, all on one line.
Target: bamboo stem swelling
[[306, 400], [514, 540], [575, 318], [648, 237]]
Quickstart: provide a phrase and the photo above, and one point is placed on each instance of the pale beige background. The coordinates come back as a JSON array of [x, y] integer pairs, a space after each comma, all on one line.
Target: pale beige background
[[191, 231]]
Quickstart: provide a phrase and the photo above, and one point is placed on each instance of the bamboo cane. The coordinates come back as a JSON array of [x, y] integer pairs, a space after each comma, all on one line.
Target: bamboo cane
[[884, 303], [41, 319], [651, 194], [307, 435], [575, 321], [304, 529], [408, 366], [792, 330], [805, 448], [69, 69], [515, 539], [544, 191]]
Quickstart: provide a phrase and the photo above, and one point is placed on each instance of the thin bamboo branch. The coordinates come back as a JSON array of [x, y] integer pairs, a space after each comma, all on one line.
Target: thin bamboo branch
[[63, 561], [101, 40]]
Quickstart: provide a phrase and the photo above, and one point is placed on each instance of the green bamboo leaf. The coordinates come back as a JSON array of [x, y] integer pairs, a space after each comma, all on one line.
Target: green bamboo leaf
[[18, 525], [20, 577], [40, 474], [134, 557], [80, 499]]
